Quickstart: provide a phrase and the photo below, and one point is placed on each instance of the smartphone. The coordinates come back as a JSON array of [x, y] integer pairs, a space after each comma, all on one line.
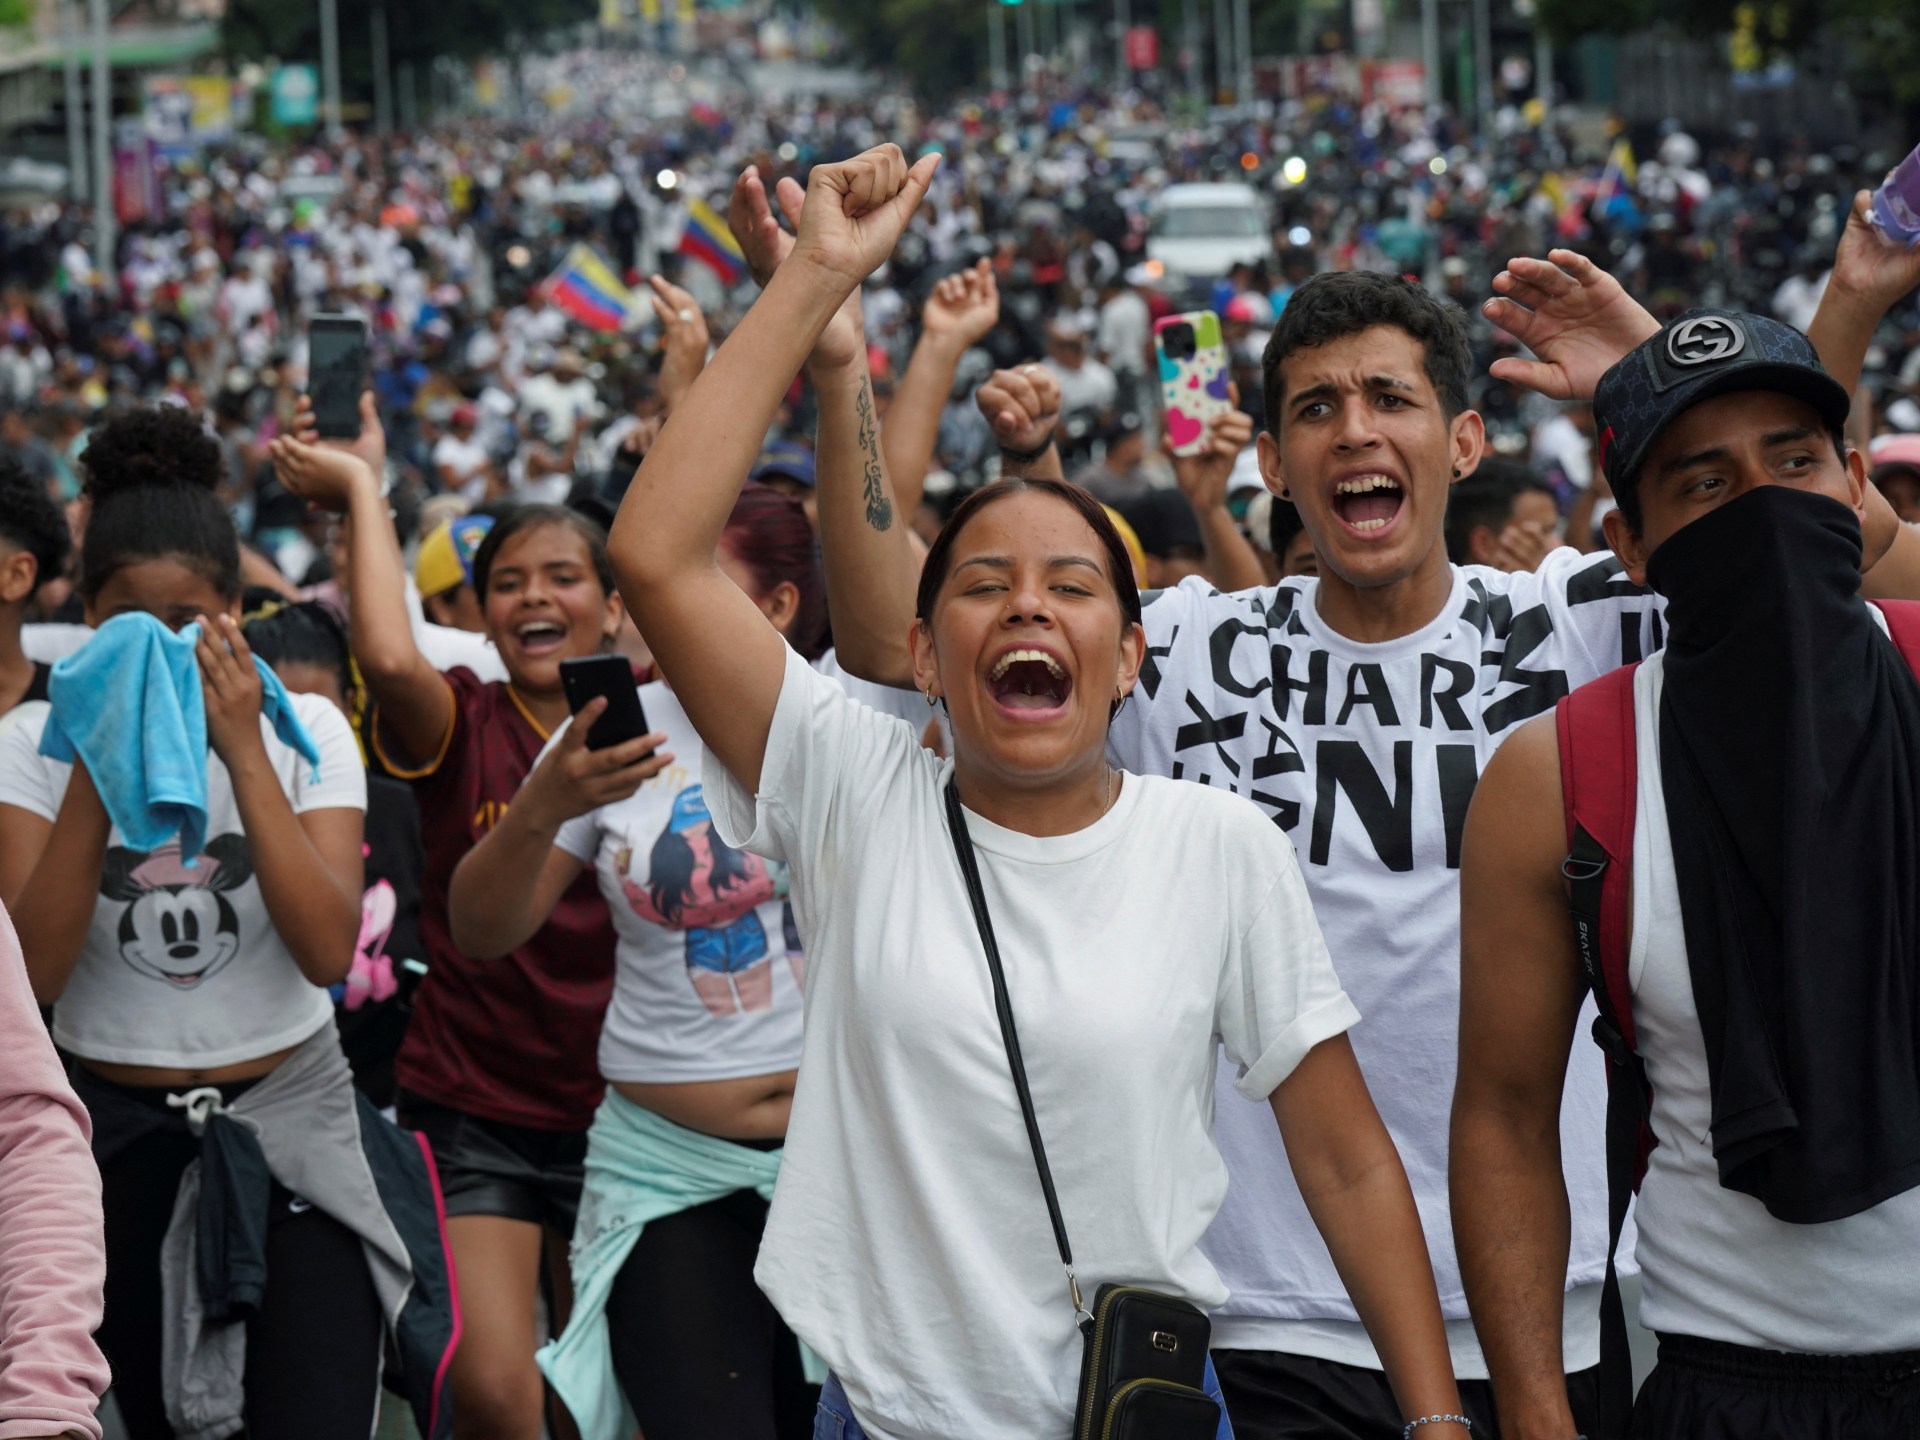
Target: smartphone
[[337, 373], [586, 676], [1193, 376]]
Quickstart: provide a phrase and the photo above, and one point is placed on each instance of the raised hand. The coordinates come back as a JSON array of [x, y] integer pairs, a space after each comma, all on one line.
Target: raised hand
[[857, 209], [683, 337], [1878, 270], [963, 307], [752, 221], [231, 683], [1203, 477], [1522, 547], [766, 245], [369, 446], [1573, 315], [1022, 405], [325, 473]]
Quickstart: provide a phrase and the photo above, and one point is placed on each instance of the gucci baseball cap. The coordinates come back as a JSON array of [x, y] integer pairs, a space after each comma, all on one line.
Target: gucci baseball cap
[[1702, 354]]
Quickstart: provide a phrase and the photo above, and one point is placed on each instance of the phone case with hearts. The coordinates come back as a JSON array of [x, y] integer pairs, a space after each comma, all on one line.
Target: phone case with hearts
[[1193, 387]]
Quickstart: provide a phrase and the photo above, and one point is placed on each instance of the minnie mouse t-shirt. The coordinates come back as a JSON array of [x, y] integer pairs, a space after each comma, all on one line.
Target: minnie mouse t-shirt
[[709, 972], [181, 966]]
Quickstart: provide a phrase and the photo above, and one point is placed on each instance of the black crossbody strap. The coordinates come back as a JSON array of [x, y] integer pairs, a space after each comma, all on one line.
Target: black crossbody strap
[[1003, 1008]]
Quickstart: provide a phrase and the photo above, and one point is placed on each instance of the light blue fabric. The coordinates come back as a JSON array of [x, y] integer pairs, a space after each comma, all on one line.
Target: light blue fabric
[[834, 1420], [640, 1168], [129, 704]]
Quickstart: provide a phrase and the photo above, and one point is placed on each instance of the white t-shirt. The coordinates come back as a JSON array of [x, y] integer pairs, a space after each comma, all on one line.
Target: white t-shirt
[[1366, 756], [182, 966], [908, 1242], [1713, 1262], [706, 987], [467, 459]]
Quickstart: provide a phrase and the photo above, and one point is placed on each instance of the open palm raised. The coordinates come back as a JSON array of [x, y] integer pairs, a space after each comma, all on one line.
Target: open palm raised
[[1573, 315]]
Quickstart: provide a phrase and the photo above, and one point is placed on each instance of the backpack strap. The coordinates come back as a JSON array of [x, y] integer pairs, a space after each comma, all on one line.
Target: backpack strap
[[1903, 625], [1599, 773]]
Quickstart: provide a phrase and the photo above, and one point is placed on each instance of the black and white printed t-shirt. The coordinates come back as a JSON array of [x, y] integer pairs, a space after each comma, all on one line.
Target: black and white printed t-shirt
[[1366, 755]]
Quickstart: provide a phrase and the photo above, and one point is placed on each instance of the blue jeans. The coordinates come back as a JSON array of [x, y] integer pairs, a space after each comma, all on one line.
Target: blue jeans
[[834, 1419]]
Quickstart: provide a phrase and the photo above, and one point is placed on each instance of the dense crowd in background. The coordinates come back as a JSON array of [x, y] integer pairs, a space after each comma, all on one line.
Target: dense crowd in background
[[574, 975], [442, 241]]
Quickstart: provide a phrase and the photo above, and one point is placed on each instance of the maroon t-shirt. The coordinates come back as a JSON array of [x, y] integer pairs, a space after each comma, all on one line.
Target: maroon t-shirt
[[514, 1039]]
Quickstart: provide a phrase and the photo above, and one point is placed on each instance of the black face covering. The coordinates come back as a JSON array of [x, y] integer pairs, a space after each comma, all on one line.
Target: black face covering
[[1790, 759]]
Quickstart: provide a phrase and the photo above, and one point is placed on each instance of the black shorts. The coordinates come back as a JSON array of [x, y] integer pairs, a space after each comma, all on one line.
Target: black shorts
[[488, 1167], [1272, 1396], [1709, 1390]]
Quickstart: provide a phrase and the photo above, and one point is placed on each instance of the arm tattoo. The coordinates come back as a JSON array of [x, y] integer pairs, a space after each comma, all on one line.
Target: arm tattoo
[[873, 485]]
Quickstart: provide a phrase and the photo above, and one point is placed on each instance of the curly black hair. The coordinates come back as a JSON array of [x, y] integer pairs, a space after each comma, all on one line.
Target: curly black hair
[[151, 473], [1337, 304], [30, 520]]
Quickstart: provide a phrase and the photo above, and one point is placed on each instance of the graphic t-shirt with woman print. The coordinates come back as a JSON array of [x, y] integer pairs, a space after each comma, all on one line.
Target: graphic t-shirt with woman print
[[182, 966], [708, 984]]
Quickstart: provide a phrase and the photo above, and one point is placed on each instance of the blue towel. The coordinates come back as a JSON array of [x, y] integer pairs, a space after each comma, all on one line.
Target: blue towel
[[129, 703]]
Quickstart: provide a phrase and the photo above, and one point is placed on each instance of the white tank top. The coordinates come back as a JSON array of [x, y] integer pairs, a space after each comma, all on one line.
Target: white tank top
[[1714, 1263]]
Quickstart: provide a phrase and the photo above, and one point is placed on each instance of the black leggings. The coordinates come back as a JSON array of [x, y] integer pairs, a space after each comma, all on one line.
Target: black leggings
[[313, 1350], [698, 1350]]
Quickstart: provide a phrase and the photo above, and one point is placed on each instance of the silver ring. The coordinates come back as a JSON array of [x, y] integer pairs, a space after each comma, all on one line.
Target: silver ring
[[686, 315], [1028, 369]]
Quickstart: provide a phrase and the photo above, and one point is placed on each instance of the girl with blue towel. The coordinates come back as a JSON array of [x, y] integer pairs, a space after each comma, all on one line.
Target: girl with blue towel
[[246, 1189]]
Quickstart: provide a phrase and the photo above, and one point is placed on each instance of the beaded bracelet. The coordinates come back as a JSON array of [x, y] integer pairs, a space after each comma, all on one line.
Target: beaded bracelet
[[1413, 1425]]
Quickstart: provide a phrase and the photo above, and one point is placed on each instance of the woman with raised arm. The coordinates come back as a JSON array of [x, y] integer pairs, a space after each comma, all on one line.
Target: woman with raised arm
[[699, 1049], [496, 1068], [909, 1242]]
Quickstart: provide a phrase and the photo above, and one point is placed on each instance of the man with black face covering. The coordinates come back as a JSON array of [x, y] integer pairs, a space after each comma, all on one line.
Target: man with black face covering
[[1763, 941]]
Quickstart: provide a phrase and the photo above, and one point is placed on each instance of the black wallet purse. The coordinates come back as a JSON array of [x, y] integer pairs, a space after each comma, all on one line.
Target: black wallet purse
[[1145, 1354]]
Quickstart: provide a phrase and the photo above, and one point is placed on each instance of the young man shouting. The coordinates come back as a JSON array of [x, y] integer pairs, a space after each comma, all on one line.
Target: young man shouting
[[1358, 708], [1772, 942]]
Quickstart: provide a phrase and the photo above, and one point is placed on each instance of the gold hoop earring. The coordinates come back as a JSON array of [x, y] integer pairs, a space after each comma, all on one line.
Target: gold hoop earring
[[932, 699]]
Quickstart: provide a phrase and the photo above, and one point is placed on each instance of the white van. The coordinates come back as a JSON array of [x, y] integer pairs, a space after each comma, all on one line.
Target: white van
[[1200, 232]]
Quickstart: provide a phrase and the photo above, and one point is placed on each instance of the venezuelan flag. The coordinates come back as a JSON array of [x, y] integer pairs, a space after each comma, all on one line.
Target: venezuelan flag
[[587, 289], [708, 240]]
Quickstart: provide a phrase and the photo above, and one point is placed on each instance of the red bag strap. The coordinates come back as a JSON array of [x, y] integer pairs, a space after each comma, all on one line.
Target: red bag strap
[[1599, 776], [1903, 626]]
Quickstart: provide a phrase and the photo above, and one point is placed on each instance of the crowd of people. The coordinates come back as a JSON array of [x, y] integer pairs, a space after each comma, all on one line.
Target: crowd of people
[[1317, 774]]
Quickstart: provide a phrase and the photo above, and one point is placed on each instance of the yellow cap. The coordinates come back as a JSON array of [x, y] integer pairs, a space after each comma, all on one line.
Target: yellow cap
[[1135, 552], [445, 561]]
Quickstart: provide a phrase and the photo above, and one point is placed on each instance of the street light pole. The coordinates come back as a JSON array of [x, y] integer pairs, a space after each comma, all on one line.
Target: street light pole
[[1222, 49], [997, 43], [1122, 23], [330, 62], [76, 107], [382, 73], [1483, 66], [1243, 30], [103, 216], [1190, 44], [1026, 44], [1430, 47], [1542, 66]]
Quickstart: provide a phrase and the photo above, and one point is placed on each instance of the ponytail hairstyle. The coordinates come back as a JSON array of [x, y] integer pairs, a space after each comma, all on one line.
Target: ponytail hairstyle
[[769, 534], [151, 474], [303, 632]]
